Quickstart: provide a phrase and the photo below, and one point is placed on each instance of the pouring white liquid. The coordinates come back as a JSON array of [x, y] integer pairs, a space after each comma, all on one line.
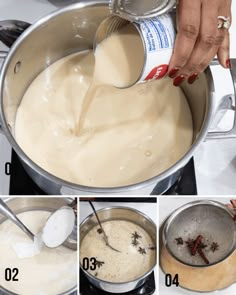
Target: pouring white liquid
[[129, 135], [119, 61]]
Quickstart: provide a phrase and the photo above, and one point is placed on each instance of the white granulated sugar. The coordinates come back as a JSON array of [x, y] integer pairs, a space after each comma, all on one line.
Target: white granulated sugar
[[26, 250], [58, 227]]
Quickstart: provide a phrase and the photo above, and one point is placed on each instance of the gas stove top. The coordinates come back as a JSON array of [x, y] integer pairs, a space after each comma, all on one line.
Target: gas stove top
[[147, 288]]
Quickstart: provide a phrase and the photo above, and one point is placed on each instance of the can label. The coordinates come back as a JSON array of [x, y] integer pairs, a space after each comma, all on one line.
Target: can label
[[158, 36]]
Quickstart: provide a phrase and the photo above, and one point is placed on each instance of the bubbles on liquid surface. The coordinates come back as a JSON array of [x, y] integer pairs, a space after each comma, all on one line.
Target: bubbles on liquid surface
[[148, 153]]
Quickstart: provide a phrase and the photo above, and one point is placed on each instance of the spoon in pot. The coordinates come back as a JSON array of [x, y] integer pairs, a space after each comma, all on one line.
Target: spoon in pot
[[51, 226], [6, 211], [101, 230]]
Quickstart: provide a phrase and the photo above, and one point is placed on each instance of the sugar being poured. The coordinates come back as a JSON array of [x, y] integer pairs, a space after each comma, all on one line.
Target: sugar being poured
[[26, 250], [119, 60], [58, 227], [56, 230]]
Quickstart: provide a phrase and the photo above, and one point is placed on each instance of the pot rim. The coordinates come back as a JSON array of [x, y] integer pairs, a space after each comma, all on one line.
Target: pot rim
[[8, 292], [129, 209], [100, 190], [175, 213]]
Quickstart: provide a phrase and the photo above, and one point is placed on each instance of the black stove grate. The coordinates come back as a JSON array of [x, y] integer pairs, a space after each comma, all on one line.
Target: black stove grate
[[147, 288], [20, 182]]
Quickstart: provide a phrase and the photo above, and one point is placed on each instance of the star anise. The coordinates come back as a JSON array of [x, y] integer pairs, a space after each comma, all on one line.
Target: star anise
[[142, 251], [135, 242], [179, 241], [99, 263], [214, 247], [191, 242], [136, 236]]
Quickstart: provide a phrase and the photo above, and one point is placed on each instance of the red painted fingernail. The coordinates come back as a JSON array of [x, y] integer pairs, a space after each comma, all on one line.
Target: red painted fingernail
[[173, 72], [228, 63], [178, 80], [192, 78]]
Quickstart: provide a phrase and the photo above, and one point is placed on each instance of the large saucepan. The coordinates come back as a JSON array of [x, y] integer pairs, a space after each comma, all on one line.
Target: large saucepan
[[66, 31]]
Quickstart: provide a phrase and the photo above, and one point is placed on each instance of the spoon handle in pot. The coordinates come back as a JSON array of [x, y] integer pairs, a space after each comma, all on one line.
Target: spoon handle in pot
[[6, 211], [99, 222]]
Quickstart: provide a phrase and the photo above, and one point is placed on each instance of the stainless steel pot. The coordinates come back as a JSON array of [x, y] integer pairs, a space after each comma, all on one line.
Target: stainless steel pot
[[19, 205], [118, 213], [211, 218], [214, 221], [69, 30]]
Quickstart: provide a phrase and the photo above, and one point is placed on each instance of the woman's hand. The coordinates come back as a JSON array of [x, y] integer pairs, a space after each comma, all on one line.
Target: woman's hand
[[232, 204], [199, 39]]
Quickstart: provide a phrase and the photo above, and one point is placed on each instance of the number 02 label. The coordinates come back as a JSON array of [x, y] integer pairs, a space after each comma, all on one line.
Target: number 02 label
[[11, 274]]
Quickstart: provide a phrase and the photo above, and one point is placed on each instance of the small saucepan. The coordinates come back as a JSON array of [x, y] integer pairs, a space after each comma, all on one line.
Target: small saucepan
[[213, 221], [118, 213]]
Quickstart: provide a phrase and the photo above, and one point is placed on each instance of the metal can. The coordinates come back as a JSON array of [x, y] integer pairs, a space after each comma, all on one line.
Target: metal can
[[140, 9], [158, 36]]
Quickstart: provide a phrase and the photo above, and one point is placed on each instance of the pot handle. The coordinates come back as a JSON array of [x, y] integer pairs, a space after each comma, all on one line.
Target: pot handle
[[10, 30], [228, 102], [3, 55]]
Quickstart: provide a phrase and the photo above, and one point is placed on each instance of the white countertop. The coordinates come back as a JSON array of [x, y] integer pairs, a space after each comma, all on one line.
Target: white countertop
[[166, 207]]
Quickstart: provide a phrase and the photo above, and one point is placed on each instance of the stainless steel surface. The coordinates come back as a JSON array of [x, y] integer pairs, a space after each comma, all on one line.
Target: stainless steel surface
[[118, 213], [7, 212], [211, 219], [3, 55], [71, 240], [228, 102], [102, 229], [139, 9], [19, 205], [49, 43]]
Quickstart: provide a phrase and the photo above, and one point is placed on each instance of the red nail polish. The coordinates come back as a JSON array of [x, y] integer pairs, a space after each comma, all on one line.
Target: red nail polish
[[178, 80], [173, 72], [192, 78], [228, 63]]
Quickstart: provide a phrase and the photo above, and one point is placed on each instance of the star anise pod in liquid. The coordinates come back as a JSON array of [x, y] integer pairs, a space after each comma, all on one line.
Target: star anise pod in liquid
[[99, 263], [142, 251], [136, 236]]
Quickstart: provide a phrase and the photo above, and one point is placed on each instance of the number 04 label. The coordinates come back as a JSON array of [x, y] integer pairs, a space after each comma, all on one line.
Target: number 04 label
[[170, 280]]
